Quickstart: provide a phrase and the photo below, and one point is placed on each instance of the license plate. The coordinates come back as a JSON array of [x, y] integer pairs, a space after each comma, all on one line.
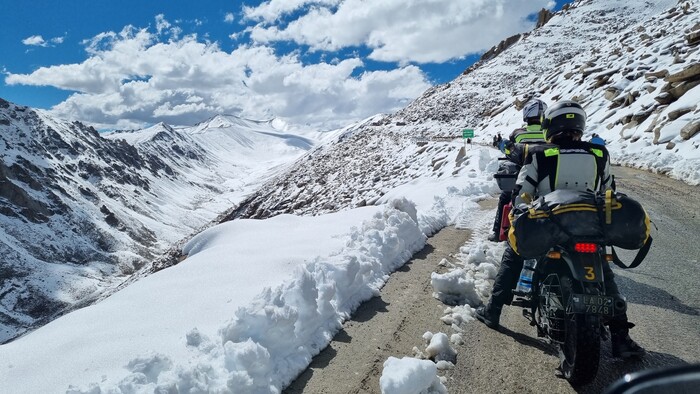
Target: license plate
[[594, 304]]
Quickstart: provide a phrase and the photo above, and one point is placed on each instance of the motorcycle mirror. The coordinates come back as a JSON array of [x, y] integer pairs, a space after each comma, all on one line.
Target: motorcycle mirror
[[678, 379]]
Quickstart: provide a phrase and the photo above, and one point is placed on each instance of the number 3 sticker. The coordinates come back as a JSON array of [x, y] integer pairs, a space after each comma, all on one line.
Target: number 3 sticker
[[590, 273]]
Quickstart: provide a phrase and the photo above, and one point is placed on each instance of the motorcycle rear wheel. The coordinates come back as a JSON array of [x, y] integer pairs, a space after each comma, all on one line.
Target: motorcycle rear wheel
[[579, 354]]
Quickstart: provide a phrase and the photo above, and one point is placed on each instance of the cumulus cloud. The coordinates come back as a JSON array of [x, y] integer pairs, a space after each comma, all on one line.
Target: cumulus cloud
[[134, 77], [421, 31], [145, 75]]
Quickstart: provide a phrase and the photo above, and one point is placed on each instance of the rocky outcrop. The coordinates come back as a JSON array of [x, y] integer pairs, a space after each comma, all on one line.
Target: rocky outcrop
[[502, 46], [679, 84], [690, 73], [690, 130], [543, 17]]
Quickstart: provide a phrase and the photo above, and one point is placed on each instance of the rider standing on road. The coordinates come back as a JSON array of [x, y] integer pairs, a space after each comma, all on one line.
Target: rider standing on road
[[516, 148], [569, 164]]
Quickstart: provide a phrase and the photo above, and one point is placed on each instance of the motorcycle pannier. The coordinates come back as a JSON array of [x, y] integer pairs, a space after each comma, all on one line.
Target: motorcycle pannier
[[626, 223], [607, 217], [506, 175]]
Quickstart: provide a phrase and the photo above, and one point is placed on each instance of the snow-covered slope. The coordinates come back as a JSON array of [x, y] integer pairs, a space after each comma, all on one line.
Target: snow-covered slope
[[634, 65], [81, 211]]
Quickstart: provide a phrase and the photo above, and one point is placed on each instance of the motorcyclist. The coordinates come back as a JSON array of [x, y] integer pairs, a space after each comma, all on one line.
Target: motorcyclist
[[515, 149], [568, 164]]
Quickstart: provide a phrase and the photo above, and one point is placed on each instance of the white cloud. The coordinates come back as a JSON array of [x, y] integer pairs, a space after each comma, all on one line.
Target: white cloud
[[161, 23], [272, 10], [34, 40], [134, 77], [139, 76], [397, 30], [38, 40]]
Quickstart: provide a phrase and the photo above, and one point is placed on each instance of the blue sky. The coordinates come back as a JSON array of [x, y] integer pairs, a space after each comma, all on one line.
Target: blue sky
[[320, 62]]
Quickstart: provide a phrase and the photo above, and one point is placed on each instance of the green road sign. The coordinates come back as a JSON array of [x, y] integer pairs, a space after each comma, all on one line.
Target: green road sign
[[468, 133]]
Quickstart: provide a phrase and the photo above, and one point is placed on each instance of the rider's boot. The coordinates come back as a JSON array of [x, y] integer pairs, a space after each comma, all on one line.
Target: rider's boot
[[622, 345], [494, 237], [489, 315]]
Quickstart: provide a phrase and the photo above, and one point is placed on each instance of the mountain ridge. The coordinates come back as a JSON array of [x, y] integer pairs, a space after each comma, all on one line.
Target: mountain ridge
[[82, 210]]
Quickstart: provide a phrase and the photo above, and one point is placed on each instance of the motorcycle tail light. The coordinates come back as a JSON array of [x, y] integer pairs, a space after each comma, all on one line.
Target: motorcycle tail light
[[584, 247]]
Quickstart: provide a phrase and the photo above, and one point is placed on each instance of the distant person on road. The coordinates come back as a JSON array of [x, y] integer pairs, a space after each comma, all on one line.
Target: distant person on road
[[596, 139], [569, 164], [515, 149]]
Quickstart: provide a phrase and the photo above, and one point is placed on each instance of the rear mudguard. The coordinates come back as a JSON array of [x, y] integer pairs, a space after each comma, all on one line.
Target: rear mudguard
[[585, 267]]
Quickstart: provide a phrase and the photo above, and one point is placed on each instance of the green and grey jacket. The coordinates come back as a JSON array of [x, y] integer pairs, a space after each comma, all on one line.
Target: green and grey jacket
[[520, 141], [576, 165]]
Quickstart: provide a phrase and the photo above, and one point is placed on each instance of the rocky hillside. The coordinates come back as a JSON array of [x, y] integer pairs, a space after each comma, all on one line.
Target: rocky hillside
[[632, 64], [60, 184], [82, 211]]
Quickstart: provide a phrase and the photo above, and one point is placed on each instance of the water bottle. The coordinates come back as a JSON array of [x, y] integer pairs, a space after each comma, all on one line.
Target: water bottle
[[524, 286]]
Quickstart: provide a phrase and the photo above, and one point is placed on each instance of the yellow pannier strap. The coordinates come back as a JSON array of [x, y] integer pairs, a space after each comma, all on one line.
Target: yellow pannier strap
[[534, 214], [647, 222], [511, 233], [561, 209], [608, 206]]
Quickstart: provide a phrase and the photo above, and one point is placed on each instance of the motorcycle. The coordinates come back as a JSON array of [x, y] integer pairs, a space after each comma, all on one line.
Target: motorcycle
[[568, 305], [563, 294]]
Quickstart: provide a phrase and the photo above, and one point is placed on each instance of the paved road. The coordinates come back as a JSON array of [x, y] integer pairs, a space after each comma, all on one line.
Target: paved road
[[663, 296], [663, 300]]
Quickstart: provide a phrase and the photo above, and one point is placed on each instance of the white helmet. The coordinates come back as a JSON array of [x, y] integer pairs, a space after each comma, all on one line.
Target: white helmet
[[564, 117]]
